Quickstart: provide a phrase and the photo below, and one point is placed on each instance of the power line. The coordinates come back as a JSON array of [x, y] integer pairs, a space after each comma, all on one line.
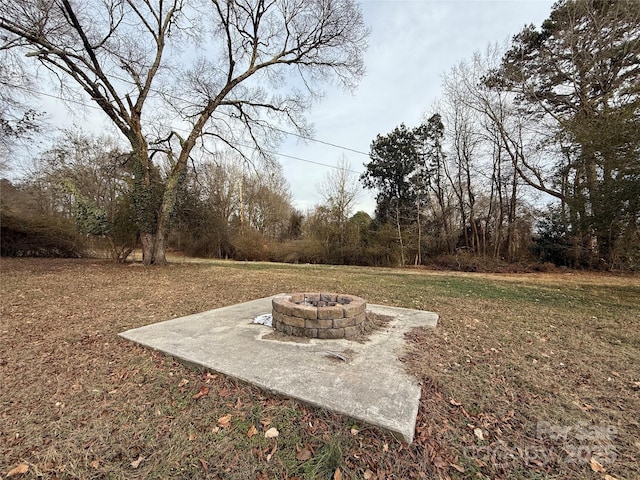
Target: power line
[[304, 137], [301, 159], [253, 147], [273, 127]]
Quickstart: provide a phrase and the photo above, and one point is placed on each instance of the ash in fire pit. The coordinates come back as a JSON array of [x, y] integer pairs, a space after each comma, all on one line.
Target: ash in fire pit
[[319, 315]]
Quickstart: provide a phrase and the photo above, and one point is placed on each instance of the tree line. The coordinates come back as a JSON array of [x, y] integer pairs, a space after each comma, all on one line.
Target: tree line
[[534, 150], [81, 190], [531, 155]]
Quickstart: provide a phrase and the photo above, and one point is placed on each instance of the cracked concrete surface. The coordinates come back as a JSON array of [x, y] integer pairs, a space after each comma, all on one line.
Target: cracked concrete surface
[[371, 385]]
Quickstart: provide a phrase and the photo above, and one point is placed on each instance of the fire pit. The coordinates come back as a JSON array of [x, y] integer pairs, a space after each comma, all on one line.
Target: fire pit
[[319, 315]]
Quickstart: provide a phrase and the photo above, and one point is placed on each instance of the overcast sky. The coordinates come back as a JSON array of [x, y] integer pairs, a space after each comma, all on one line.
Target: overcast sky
[[412, 44]]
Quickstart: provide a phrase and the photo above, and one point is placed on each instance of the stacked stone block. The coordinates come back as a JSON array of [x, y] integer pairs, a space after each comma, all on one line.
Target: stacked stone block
[[319, 315]]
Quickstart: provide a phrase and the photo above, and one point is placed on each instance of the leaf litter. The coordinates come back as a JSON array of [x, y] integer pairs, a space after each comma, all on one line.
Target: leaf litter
[[135, 393]]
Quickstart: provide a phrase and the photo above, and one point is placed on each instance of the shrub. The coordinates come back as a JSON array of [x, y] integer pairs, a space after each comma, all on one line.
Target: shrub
[[38, 237], [250, 245], [299, 251]]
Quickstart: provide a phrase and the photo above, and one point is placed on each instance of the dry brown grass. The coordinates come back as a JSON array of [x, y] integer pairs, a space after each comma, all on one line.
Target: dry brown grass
[[511, 352]]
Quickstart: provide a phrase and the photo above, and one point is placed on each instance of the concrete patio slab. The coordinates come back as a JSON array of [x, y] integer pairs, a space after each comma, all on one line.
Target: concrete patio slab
[[371, 386]]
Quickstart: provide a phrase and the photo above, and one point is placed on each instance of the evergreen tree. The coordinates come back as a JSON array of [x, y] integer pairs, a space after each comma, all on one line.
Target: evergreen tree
[[581, 70]]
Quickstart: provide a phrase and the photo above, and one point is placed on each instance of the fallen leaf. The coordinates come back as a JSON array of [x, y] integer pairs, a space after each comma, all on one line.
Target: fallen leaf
[[252, 431], [337, 475], [509, 415], [224, 421], [455, 403], [596, 466], [440, 463], [192, 437], [19, 470], [204, 390], [354, 431], [368, 474], [136, 463], [385, 447], [95, 464], [457, 467], [586, 407], [304, 455], [205, 465], [478, 433], [183, 382], [271, 433]]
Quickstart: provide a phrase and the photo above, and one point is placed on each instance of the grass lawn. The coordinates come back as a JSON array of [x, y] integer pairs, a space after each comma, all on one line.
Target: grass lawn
[[526, 377]]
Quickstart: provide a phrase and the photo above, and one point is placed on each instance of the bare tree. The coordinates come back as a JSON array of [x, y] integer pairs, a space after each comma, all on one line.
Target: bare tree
[[339, 190], [460, 170], [267, 202], [507, 139], [18, 120], [170, 73]]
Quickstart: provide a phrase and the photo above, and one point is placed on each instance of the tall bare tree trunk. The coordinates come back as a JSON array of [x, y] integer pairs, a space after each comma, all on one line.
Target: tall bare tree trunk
[[419, 254], [511, 218], [402, 260]]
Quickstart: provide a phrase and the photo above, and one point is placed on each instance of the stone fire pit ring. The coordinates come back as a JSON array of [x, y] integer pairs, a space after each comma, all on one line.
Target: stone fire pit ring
[[319, 315]]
